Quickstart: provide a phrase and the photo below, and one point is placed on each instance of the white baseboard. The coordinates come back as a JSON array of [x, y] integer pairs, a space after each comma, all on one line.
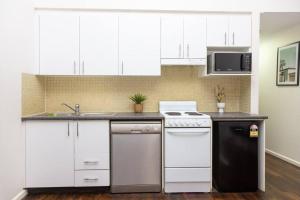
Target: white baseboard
[[282, 157], [20, 196]]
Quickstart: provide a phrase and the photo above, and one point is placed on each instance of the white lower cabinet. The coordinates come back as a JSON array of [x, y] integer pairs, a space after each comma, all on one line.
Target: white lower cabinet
[[91, 145], [67, 153], [49, 154], [92, 178]]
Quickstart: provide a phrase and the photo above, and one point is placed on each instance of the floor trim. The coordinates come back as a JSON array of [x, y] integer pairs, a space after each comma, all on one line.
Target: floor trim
[[20, 195], [282, 157]]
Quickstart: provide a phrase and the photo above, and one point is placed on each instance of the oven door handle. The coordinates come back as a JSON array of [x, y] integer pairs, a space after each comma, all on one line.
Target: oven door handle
[[182, 133]]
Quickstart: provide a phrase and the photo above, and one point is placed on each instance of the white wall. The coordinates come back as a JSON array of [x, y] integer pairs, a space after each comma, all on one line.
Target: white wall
[[15, 55], [195, 5], [281, 104]]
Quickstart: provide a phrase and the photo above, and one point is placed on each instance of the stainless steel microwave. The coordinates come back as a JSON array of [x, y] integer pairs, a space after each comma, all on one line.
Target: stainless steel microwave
[[229, 62]]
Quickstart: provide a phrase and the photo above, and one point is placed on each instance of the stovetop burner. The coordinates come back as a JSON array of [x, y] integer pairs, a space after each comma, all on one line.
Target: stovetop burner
[[173, 113], [193, 113]]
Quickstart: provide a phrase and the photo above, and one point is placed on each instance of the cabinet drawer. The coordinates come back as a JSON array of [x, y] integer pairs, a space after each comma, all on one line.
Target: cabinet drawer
[[90, 162], [187, 175], [87, 178]]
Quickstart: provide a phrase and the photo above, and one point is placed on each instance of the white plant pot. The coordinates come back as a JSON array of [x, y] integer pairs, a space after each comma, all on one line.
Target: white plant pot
[[221, 107]]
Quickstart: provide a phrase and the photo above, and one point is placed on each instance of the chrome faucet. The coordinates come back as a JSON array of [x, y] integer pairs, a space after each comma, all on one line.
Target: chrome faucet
[[76, 109]]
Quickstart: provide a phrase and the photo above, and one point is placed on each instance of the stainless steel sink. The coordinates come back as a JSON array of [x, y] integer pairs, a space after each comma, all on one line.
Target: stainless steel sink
[[57, 114], [85, 114]]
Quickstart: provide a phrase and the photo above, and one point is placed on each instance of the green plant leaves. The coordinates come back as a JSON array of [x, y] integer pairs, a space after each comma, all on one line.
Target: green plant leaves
[[138, 98]]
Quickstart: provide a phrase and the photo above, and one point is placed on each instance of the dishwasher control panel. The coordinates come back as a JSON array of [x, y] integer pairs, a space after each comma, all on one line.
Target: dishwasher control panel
[[142, 127]]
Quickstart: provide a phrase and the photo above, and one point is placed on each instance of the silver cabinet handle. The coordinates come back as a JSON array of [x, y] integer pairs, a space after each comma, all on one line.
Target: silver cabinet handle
[[122, 69], [74, 65], [90, 162], [82, 67], [188, 50], [68, 128], [77, 130], [179, 51], [91, 179], [225, 35], [233, 38]]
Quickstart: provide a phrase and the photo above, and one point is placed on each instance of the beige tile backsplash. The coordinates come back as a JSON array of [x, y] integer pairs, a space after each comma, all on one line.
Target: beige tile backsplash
[[110, 94], [33, 94], [245, 95]]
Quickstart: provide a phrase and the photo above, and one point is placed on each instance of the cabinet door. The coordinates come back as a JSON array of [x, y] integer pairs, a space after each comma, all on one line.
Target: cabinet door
[[91, 145], [217, 30], [194, 36], [240, 30], [172, 36], [139, 44], [99, 44], [59, 44], [49, 154]]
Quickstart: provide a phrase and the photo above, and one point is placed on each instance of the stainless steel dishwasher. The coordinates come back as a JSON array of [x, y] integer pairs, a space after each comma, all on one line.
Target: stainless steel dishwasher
[[135, 156]]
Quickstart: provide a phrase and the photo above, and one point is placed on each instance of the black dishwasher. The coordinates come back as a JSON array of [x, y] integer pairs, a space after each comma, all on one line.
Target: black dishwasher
[[235, 157]]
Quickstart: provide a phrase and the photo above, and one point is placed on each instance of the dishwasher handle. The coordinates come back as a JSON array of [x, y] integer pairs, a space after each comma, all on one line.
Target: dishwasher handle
[[136, 131]]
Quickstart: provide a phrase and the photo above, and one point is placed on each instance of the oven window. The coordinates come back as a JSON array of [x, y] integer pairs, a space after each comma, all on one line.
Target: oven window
[[228, 61]]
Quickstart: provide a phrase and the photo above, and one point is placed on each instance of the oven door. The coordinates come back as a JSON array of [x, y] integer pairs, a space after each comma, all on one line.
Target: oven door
[[187, 147]]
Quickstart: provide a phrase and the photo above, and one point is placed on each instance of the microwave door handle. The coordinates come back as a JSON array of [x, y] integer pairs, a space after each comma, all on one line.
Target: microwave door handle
[[242, 62]]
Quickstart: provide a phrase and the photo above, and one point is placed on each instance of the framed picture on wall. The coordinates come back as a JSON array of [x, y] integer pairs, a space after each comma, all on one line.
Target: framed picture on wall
[[288, 65]]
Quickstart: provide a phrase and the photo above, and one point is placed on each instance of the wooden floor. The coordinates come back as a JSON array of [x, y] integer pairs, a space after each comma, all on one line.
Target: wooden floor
[[282, 183]]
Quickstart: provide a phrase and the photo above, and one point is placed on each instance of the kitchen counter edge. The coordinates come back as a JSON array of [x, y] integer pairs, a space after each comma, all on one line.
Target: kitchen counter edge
[[215, 116], [235, 116], [114, 116]]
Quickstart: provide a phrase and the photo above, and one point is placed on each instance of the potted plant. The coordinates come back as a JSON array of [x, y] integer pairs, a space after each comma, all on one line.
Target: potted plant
[[220, 96], [138, 100]]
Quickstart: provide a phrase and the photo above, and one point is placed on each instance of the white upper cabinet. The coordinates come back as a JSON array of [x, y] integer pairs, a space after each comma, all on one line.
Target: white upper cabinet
[[217, 30], [194, 36], [91, 145], [240, 30], [49, 154], [183, 39], [131, 44], [172, 37], [58, 44], [229, 30], [98, 44], [139, 44]]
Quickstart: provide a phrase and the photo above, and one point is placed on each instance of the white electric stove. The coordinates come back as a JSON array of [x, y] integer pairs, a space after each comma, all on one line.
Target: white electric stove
[[187, 147], [183, 114]]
